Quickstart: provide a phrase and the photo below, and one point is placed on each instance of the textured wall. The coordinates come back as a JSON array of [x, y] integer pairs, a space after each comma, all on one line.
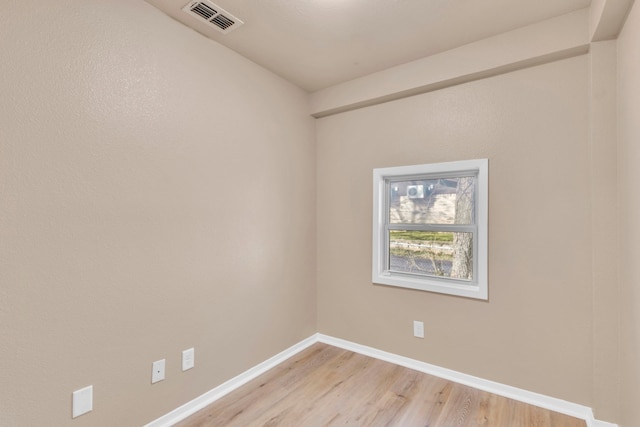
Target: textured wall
[[155, 194], [604, 230], [629, 199], [535, 331]]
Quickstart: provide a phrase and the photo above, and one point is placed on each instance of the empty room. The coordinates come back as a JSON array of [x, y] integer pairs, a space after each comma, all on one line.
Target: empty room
[[320, 213]]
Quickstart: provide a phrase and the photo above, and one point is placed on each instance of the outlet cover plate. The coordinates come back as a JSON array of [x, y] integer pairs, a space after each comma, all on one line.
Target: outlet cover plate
[[157, 374], [82, 401], [418, 329]]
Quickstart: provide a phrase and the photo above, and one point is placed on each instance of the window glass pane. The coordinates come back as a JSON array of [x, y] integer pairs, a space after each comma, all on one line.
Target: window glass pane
[[432, 201], [443, 254]]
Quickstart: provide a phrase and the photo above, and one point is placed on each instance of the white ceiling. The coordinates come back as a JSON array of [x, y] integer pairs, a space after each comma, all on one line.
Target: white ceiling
[[319, 43]]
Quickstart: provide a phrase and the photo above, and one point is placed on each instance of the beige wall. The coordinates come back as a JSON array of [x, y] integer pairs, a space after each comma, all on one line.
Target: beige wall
[[604, 229], [535, 332], [629, 197], [156, 193]]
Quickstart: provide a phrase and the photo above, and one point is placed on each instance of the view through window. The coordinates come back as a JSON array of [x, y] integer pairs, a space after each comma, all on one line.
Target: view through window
[[430, 227]]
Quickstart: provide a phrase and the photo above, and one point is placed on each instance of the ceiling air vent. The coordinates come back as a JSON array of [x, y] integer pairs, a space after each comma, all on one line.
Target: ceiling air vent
[[215, 16]]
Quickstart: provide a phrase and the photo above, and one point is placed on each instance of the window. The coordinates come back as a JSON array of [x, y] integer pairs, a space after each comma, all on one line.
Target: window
[[430, 227]]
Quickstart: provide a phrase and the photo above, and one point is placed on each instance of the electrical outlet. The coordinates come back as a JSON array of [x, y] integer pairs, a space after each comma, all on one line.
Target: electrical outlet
[[157, 373], [188, 359], [82, 401], [418, 329]]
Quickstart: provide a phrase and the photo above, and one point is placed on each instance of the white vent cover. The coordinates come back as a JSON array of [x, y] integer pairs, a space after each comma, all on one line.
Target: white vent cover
[[215, 16]]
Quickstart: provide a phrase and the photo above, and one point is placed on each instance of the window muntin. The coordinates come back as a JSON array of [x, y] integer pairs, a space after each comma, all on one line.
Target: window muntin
[[430, 227]]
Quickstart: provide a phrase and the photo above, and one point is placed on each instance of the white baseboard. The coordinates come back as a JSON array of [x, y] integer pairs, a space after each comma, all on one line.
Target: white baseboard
[[227, 387], [597, 423], [551, 403], [536, 399]]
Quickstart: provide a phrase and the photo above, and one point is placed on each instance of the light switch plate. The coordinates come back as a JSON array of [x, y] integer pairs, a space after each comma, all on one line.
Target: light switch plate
[[82, 401], [188, 359]]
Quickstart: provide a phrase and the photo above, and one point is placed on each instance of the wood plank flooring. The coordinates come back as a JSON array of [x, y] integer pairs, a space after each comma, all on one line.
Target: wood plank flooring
[[329, 386]]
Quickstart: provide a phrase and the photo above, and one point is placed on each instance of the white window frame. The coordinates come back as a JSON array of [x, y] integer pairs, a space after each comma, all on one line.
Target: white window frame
[[478, 286]]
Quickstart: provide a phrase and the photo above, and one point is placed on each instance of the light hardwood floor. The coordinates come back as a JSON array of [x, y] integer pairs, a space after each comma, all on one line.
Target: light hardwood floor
[[329, 386]]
